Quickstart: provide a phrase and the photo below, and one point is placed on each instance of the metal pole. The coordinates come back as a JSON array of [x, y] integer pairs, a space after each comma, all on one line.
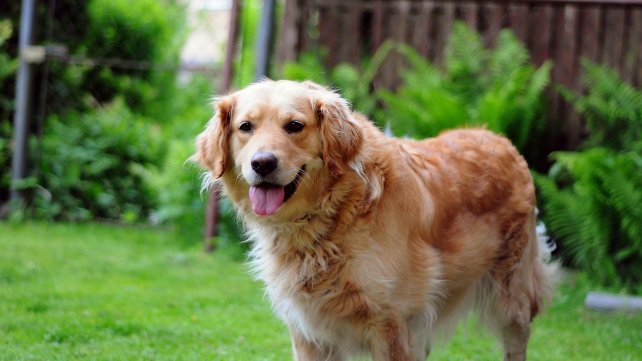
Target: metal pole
[[24, 81], [212, 211], [264, 44]]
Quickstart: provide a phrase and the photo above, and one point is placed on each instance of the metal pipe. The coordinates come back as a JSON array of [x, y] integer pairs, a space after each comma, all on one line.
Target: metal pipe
[[264, 41], [21, 119]]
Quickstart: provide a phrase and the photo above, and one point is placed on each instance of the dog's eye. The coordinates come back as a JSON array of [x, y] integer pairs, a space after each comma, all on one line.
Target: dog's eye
[[294, 127], [246, 127]]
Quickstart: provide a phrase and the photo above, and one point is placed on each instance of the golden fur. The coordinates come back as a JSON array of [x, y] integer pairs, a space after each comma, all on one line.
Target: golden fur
[[385, 243]]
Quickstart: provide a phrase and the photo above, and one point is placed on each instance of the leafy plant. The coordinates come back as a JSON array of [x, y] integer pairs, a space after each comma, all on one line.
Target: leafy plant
[[476, 86], [354, 84], [592, 200], [8, 67], [249, 24], [94, 165], [596, 218], [612, 109]]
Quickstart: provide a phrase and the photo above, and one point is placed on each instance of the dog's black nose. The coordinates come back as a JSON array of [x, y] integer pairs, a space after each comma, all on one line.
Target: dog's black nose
[[264, 163]]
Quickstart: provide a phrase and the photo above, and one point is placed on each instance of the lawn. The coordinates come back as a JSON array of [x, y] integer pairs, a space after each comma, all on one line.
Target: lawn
[[97, 292]]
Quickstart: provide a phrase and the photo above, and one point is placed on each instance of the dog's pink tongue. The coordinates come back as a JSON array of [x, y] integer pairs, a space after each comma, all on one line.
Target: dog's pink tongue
[[266, 200]]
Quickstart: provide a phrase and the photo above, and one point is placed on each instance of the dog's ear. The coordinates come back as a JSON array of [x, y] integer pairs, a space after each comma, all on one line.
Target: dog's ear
[[341, 135], [212, 145]]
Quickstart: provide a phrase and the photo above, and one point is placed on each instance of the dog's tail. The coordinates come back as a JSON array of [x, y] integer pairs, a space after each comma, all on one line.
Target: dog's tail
[[543, 279]]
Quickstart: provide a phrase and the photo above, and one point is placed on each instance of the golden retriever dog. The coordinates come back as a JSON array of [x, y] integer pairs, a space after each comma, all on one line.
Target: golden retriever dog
[[373, 245]]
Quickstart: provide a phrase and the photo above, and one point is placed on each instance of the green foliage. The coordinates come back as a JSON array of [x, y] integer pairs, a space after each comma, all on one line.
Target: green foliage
[[178, 184], [146, 31], [353, 83], [476, 86], [8, 67], [250, 18], [596, 218], [94, 165], [612, 108], [592, 200]]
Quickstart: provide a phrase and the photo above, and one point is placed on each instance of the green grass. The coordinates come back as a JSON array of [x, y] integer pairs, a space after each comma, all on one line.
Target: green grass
[[94, 292]]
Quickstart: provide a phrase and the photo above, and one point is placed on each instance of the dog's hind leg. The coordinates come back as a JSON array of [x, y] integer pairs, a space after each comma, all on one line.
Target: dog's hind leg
[[513, 293]]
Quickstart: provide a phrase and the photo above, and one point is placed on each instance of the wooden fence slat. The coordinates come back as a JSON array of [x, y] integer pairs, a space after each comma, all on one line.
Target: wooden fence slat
[[590, 29], [632, 60], [471, 15], [422, 22], [351, 33], [518, 16], [540, 40], [290, 32], [613, 36], [635, 46], [377, 26], [568, 57], [494, 14]]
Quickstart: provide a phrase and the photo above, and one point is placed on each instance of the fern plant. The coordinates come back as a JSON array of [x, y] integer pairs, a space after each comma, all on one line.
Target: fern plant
[[354, 83], [596, 218], [592, 200], [612, 109], [497, 88]]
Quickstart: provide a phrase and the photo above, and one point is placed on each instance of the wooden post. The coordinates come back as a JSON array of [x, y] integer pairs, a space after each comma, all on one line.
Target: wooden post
[[212, 212]]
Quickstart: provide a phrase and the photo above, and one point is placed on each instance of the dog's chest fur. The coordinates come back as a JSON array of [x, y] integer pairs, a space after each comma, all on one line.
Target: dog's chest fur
[[301, 281]]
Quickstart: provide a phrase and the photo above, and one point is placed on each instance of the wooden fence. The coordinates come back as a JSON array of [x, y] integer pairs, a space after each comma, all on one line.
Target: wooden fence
[[606, 32]]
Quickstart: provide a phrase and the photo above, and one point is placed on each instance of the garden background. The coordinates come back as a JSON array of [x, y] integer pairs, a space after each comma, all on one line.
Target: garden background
[[122, 88]]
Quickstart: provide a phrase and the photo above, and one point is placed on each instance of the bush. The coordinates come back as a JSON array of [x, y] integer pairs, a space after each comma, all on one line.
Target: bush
[[592, 200], [612, 109], [353, 83], [94, 165], [497, 88], [178, 184], [596, 217], [7, 68]]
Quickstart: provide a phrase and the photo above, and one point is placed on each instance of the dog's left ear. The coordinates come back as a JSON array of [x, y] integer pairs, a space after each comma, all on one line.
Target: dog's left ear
[[340, 133]]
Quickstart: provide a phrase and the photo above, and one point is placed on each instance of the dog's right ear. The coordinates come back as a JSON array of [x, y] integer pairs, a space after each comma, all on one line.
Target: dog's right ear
[[212, 144]]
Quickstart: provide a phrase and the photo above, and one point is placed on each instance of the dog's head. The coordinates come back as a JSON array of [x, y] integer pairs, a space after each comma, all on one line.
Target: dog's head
[[273, 136]]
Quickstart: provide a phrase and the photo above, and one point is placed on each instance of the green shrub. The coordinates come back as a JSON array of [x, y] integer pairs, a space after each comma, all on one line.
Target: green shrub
[[354, 84], [8, 67], [94, 166], [250, 18], [178, 184], [592, 200], [146, 31], [612, 109], [596, 217], [497, 88]]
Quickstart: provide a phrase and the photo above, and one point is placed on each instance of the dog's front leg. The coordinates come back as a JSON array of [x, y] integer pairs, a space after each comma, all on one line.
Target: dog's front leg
[[392, 343], [304, 350]]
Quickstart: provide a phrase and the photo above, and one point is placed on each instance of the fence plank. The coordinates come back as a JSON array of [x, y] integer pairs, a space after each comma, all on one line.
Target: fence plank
[[493, 14], [518, 16], [590, 30], [422, 22], [290, 32], [471, 15], [540, 42], [613, 35], [632, 60]]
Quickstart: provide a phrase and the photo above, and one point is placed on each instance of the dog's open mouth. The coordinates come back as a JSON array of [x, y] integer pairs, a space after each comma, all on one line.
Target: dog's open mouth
[[266, 197]]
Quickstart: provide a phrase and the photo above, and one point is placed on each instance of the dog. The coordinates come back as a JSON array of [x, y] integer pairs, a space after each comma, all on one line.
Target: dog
[[373, 245]]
